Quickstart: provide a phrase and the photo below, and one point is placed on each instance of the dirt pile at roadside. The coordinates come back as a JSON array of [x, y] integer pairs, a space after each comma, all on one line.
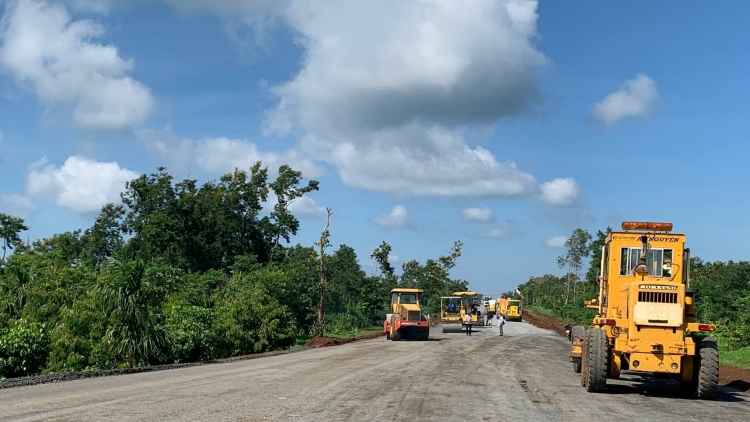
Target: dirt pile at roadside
[[319, 341], [729, 376]]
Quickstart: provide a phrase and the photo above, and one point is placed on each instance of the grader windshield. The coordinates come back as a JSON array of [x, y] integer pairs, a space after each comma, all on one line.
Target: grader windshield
[[659, 261]]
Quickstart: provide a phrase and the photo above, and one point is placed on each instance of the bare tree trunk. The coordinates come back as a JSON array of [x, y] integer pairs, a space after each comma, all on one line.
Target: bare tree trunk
[[323, 286]]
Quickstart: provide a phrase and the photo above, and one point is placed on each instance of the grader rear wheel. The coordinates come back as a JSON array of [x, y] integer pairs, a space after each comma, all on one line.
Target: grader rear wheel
[[596, 367], [705, 370]]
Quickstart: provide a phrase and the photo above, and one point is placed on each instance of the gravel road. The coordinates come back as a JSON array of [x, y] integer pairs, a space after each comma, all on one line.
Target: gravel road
[[523, 376]]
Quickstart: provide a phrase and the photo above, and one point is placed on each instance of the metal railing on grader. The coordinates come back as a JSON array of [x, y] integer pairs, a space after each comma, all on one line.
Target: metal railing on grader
[[646, 314]]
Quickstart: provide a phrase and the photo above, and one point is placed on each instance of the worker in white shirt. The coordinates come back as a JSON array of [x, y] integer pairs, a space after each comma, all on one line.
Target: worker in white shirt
[[500, 323], [467, 320]]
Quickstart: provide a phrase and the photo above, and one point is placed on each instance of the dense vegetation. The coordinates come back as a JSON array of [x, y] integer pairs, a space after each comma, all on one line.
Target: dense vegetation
[[180, 272], [723, 290]]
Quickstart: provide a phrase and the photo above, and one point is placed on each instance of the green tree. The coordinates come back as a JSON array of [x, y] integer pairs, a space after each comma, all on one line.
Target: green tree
[[133, 292], [281, 223], [323, 285], [10, 227], [577, 249]]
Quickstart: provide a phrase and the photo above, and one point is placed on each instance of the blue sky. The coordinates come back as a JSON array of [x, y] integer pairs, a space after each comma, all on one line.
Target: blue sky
[[610, 112]]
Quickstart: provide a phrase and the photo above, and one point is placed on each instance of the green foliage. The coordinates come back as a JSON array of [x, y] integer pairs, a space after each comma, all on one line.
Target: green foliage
[[183, 272], [132, 294], [253, 320], [10, 227], [194, 334], [24, 347]]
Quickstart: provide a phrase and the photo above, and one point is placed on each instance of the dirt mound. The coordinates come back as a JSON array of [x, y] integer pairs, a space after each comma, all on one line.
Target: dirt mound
[[320, 341], [737, 378], [544, 321]]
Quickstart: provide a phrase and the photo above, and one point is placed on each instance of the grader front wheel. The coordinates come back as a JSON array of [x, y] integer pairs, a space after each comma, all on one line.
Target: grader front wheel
[[577, 333]]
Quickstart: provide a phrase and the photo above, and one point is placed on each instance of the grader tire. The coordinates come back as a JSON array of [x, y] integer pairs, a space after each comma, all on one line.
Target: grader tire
[[577, 333], [596, 367], [706, 370], [388, 335], [585, 356]]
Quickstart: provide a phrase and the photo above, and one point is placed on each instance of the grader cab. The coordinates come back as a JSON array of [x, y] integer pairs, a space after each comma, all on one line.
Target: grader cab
[[646, 315], [406, 319]]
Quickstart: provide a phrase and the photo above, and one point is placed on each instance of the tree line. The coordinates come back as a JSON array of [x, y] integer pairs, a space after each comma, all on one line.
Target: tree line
[[182, 272], [722, 298]]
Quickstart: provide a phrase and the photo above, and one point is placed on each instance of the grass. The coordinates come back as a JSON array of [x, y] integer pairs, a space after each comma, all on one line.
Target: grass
[[543, 311], [355, 333], [739, 358]]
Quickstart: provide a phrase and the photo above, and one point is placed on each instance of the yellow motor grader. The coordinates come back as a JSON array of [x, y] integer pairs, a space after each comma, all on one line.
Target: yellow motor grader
[[646, 314]]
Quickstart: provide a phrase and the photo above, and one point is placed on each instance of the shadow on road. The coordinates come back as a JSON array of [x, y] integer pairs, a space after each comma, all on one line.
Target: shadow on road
[[656, 387]]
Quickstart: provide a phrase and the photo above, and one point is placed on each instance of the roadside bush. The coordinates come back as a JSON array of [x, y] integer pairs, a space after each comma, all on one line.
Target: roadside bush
[[193, 334], [346, 323], [23, 349], [253, 321]]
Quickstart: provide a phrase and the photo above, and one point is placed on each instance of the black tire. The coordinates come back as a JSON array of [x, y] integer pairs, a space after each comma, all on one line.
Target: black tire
[[585, 357], [388, 335], [577, 332], [705, 380], [596, 368], [396, 336]]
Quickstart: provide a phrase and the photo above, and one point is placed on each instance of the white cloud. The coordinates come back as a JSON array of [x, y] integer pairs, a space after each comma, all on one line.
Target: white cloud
[[393, 259], [43, 49], [397, 218], [18, 205], [305, 207], [221, 155], [556, 242], [478, 214], [81, 184], [636, 97], [560, 192], [387, 89]]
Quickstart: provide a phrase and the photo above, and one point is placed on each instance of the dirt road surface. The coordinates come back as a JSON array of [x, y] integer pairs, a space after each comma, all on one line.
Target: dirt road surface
[[523, 376]]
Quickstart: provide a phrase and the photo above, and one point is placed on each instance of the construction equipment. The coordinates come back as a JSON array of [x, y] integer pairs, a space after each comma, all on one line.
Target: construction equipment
[[406, 319], [514, 311], [451, 313], [502, 307], [646, 314], [454, 309]]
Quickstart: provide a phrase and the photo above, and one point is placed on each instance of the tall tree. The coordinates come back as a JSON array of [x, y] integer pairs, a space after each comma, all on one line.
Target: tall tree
[[323, 284], [10, 227], [382, 255], [577, 249], [596, 257], [287, 189]]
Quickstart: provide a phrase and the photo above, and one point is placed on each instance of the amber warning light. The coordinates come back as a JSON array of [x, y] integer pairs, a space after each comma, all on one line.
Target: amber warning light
[[629, 225]]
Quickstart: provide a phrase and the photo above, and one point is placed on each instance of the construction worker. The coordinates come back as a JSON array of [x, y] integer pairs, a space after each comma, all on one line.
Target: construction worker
[[500, 323], [467, 320]]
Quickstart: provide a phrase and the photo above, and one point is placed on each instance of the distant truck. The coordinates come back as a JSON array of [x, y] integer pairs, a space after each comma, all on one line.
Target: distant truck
[[406, 319], [502, 307], [514, 311]]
